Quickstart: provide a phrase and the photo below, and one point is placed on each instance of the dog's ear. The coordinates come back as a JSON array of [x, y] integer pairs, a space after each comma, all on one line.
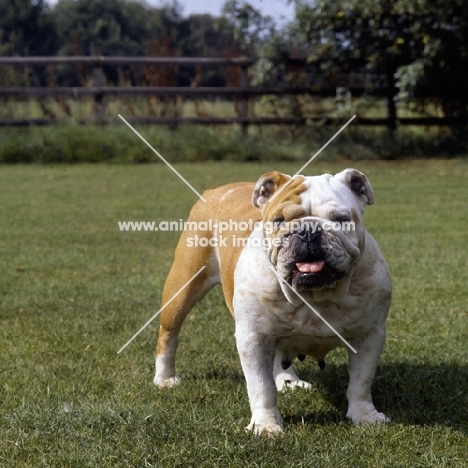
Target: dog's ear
[[267, 185], [358, 184]]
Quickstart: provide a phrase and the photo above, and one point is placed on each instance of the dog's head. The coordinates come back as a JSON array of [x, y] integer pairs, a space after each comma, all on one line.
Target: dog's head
[[313, 225]]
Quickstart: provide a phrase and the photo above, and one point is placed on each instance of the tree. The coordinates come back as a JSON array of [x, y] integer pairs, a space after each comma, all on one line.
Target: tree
[[441, 70], [26, 28], [424, 41], [246, 26], [349, 33], [122, 27]]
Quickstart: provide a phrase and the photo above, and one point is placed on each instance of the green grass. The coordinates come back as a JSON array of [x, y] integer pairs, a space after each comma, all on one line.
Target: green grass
[[74, 289]]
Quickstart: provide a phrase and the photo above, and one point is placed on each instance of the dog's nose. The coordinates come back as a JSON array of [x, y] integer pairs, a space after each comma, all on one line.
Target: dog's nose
[[309, 236]]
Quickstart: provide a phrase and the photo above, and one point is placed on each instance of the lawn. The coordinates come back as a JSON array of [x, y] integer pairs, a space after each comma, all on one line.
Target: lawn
[[75, 289]]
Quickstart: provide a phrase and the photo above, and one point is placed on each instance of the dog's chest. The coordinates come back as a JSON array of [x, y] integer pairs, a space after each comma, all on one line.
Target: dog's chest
[[312, 320], [258, 299]]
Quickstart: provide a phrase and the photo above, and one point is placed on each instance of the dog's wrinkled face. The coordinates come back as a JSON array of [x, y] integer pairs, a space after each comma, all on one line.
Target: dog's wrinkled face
[[313, 225]]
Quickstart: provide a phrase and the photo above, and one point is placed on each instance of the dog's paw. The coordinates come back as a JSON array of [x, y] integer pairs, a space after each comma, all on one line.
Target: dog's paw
[[291, 384], [167, 383], [366, 414], [265, 430]]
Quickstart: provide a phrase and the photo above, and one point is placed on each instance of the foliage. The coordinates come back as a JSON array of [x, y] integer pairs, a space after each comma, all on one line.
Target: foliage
[[117, 144], [129, 28], [119, 25], [246, 25], [350, 34], [26, 28], [126, 27], [426, 41], [73, 143]]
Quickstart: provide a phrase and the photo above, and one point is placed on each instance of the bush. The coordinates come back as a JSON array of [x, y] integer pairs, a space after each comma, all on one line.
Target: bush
[[73, 143]]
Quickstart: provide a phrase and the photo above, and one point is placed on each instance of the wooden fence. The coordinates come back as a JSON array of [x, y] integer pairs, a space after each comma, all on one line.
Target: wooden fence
[[241, 93]]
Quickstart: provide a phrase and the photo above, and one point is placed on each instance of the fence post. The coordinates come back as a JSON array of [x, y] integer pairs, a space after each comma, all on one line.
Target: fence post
[[244, 103], [98, 81]]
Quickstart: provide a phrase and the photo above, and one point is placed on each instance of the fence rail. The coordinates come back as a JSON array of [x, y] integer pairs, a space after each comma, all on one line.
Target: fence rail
[[335, 121], [76, 91], [241, 93], [100, 61]]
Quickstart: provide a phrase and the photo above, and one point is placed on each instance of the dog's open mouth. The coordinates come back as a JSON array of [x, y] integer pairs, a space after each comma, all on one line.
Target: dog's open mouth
[[316, 274], [310, 267]]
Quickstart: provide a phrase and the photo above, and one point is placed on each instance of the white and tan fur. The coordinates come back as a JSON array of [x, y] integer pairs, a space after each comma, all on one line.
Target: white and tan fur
[[273, 325]]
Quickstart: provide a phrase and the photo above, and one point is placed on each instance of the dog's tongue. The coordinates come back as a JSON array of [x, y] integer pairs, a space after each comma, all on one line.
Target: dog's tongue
[[310, 267]]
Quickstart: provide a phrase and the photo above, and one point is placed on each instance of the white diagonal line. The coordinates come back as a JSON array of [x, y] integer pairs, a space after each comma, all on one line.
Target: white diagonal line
[[162, 159], [161, 309], [314, 311], [313, 157]]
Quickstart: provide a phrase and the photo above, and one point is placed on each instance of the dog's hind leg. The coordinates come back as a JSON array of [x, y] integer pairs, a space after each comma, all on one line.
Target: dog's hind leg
[[177, 303], [284, 374]]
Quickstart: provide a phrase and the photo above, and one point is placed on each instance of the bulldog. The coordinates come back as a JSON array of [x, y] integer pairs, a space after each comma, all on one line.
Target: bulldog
[[301, 276]]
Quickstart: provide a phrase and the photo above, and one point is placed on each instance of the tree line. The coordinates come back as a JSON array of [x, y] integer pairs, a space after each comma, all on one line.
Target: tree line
[[421, 46], [127, 28]]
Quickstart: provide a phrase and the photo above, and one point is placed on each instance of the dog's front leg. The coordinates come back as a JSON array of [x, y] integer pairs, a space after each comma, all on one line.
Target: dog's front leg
[[362, 366], [257, 355]]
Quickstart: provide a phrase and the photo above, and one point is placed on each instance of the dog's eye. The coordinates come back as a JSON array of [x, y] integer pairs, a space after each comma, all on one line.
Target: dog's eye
[[277, 222], [341, 218]]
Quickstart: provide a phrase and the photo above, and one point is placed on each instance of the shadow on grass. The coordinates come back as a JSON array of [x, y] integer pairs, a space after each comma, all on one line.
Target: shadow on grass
[[420, 395], [411, 394]]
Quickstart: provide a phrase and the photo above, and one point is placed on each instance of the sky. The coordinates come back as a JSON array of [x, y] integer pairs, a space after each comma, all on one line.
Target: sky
[[280, 10]]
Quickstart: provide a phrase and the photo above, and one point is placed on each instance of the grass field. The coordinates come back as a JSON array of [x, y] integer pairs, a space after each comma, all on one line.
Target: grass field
[[75, 289]]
